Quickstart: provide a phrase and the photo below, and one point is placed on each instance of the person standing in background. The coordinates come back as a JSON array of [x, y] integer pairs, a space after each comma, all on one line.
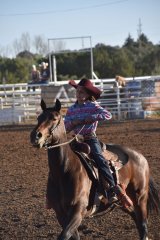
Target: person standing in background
[[44, 73], [35, 77]]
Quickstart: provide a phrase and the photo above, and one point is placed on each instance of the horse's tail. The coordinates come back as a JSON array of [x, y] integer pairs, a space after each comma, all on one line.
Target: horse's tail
[[153, 203]]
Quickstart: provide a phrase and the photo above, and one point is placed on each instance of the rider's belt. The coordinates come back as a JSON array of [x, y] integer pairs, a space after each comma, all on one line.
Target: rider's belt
[[89, 136]]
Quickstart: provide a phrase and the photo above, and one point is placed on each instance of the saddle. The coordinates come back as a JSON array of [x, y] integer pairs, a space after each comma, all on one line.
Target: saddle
[[112, 153], [116, 158]]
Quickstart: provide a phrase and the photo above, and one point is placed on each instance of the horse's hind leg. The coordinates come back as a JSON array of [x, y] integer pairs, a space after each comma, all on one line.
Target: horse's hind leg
[[140, 215]]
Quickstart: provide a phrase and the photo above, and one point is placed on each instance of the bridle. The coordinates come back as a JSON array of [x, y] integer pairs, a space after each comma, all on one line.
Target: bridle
[[55, 126], [64, 143]]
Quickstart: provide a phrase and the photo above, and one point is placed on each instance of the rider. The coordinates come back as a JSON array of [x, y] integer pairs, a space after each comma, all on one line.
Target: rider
[[86, 111]]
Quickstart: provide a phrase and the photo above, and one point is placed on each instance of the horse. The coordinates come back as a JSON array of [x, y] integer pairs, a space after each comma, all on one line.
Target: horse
[[71, 188]]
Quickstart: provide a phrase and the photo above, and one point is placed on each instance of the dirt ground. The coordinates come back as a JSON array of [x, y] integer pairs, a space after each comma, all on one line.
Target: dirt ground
[[23, 176]]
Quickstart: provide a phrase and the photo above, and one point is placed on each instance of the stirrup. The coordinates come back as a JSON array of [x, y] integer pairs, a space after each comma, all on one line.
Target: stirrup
[[111, 196], [112, 199]]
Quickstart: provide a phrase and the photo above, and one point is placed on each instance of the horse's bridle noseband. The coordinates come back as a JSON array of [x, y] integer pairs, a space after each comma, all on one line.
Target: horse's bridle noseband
[[57, 144], [52, 129]]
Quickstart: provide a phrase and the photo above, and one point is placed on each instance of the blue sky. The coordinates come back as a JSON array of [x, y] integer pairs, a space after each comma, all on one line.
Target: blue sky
[[106, 21]]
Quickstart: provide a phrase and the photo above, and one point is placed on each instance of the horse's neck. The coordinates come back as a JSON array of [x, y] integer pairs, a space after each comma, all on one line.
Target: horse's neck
[[61, 158], [58, 156], [62, 132], [58, 159]]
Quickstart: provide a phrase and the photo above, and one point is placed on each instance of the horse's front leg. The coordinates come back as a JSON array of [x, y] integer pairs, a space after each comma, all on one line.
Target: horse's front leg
[[74, 221], [63, 222], [75, 236]]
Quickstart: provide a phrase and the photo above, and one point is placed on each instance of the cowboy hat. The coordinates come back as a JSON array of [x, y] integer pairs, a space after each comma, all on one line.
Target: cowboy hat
[[86, 83], [43, 64]]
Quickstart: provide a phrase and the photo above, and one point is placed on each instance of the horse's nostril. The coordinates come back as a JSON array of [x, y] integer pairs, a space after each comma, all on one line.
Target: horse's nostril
[[39, 135]]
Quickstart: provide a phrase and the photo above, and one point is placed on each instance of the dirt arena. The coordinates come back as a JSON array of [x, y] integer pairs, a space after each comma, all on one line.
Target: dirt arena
[[23, 176]]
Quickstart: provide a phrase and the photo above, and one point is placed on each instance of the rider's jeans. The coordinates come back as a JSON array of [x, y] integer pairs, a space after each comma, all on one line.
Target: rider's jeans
[[102, 164]]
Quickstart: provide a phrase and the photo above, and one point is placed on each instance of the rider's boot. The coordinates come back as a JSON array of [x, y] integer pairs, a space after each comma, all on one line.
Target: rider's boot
[[122, 196], [112, 197]]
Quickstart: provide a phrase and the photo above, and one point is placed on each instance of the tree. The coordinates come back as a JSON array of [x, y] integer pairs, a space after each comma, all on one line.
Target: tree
[[143, 38], [102, 61], [57, 46], [6, 51], [129, 42], [122, 64], [25, 54], [17, 47], [40, 45], [26, 42], [135, 58]]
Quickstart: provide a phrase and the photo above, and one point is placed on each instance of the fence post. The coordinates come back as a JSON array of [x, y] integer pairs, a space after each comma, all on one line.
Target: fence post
[[118, 101]]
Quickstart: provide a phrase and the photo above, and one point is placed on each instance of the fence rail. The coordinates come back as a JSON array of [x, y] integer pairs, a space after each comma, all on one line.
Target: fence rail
[[139, 98]]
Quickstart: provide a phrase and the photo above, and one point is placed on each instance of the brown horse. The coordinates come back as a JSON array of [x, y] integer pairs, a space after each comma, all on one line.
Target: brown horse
[[70, 186]]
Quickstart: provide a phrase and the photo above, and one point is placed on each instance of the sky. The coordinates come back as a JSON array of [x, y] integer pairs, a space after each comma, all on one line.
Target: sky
[[105, 21]]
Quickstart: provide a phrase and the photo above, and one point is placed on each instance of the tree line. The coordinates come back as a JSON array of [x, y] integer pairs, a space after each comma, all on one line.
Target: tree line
[[134, 58]]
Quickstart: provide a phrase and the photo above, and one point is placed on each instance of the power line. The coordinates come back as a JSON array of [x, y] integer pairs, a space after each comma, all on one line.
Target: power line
[[63, 11]]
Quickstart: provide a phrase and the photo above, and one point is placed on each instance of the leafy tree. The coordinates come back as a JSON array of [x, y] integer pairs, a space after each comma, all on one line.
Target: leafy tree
[[143, 38], [102, 61], [122, 64], [25, 54], [129, 42]]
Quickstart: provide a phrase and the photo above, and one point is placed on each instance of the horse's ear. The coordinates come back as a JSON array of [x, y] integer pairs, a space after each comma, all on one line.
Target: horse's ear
[[43, 105], [57, 105]]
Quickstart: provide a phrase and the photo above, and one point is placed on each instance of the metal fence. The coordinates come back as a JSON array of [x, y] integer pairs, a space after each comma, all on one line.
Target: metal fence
[[138, 99]]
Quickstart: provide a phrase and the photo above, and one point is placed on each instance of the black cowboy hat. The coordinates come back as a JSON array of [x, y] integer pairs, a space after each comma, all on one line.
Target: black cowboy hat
[[86, 83]]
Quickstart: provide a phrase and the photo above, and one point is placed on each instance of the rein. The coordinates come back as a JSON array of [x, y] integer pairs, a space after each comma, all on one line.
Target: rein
[[65, 143]]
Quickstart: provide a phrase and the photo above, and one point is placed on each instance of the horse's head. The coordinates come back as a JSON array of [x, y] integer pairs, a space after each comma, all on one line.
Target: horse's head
[[45, 132]]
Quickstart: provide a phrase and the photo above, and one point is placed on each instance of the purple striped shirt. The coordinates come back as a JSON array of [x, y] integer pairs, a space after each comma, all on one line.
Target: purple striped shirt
[[91, 111]]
